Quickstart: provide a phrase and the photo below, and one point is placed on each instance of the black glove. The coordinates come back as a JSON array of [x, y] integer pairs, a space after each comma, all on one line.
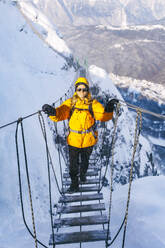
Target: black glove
[[111, 105], [49, 110]]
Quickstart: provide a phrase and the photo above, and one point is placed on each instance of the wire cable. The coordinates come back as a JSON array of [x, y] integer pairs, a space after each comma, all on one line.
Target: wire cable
[[20, 184], [136, 140], [142, 109], [42, 125], [29, 186], [49, 181], [22, 118], [124, 104], [116, 235], [112, 172]]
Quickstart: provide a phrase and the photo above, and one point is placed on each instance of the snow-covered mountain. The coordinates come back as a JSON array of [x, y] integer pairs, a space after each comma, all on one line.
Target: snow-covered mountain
[[34, 71], [107, 12], [135, 51], [125, 31]]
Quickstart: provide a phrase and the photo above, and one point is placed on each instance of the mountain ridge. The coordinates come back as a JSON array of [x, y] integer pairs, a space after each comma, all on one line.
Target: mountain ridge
[[107, 12], [137, 52], [131, 46]]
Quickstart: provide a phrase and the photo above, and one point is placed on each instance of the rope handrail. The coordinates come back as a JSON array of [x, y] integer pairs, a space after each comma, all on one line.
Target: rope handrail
[[124, 223], [49, 173], [112, 172], [29, 185], [20, 185], [43, 129], [21, 118], [132, 106], [124, 104], [30, 115], [136, 141]]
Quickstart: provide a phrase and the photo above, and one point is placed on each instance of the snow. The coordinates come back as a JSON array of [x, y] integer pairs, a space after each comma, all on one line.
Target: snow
[[38, 18], [159, 142], [146, 88], [131, 27], [145, 226], [117, 46], [118, 13], [92, 2], [31, 76]]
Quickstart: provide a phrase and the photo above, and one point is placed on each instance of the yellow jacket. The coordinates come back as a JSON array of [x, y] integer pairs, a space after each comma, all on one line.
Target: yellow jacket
[[81, 121]]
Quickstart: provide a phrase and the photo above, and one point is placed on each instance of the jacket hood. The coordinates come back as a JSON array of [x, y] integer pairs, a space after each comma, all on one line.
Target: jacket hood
[[81, 80]]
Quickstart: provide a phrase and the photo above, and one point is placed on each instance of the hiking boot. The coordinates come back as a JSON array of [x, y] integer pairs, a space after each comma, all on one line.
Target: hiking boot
[[73, 188], [82, 178]]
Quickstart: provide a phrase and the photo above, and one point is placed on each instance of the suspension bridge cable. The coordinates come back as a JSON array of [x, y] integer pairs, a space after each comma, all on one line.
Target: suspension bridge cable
[[30, 115], [112, 144], [42, 125], [112, 171], [35, 113], [49, 180], [20, 184], [106, 166], [107, 160], [130, 182], [22, 118], [136, 140], [29, 187], [116, 235], [59, 147], [124, 104], [142, 109]]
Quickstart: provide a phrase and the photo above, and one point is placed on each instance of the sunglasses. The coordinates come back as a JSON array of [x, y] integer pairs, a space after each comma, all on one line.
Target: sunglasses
[[82, 89]]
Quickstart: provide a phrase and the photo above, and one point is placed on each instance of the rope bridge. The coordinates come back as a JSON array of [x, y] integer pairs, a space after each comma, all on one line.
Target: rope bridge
[[87, 205]]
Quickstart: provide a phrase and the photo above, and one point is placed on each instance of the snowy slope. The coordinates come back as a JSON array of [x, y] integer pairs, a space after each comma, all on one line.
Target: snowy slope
[[146, 213], [30, 76], [46, 28]]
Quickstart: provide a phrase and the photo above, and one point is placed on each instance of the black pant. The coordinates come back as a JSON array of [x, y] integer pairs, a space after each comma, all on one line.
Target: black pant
[[79, 160]]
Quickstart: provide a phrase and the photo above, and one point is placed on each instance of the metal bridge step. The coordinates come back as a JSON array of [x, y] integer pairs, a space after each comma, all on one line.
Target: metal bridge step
[[79, 198], [88, 181], [77, 237], [79, 221], [85, 189], [94, 167], [89, 173], [91, 167], [90, 170], [80, 208]]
